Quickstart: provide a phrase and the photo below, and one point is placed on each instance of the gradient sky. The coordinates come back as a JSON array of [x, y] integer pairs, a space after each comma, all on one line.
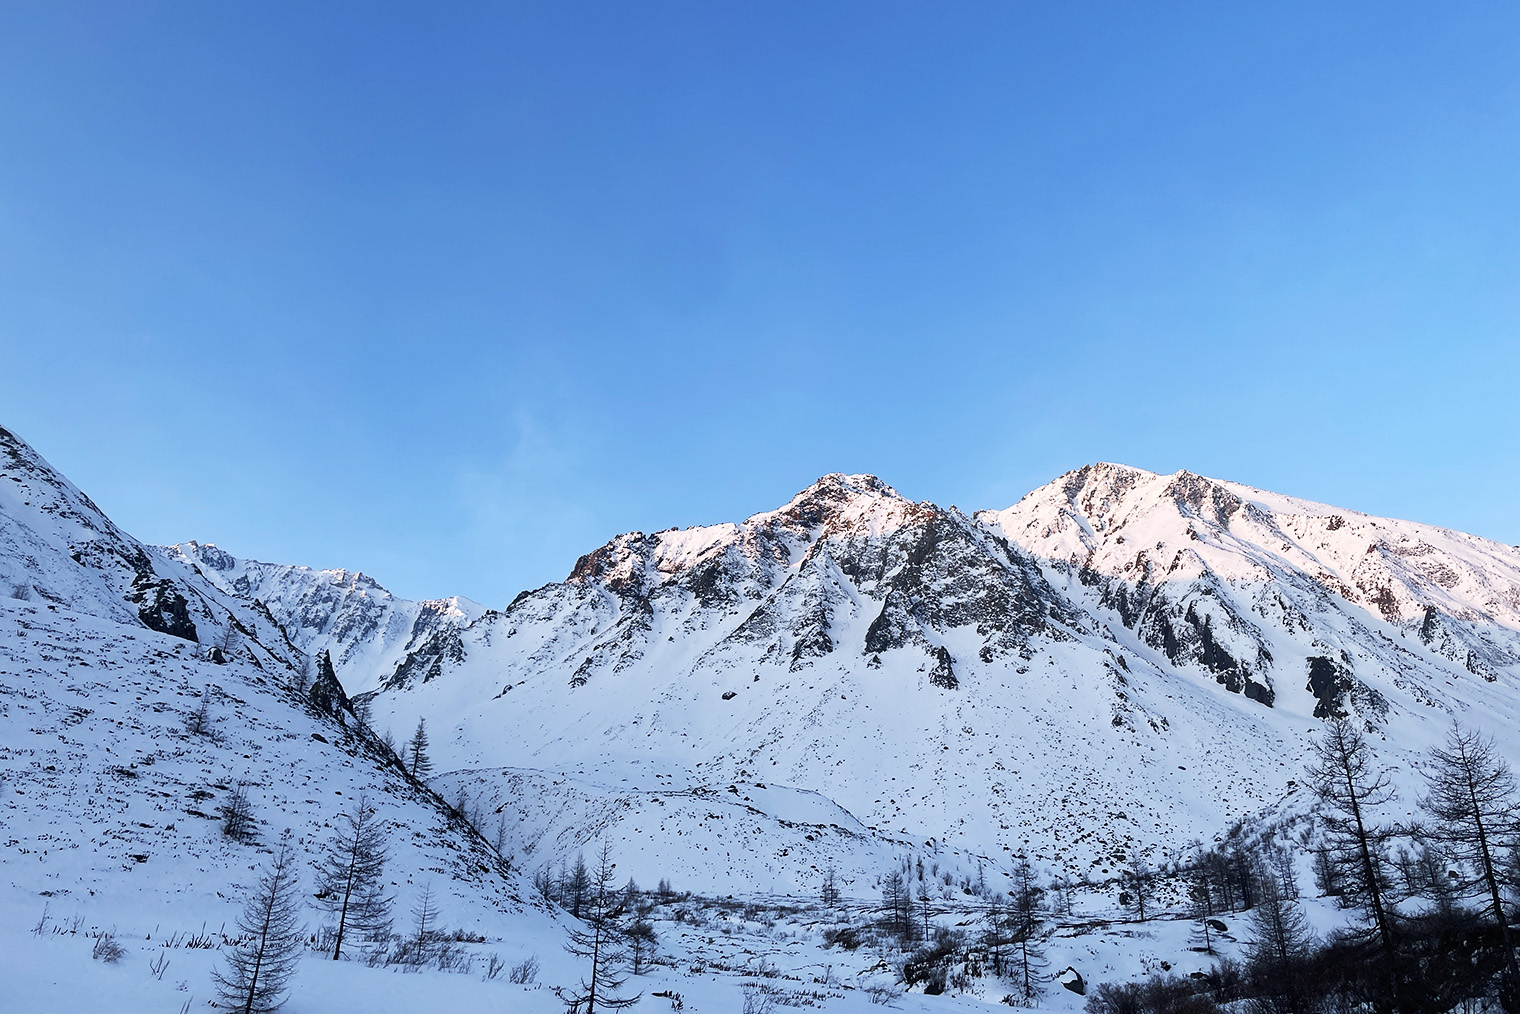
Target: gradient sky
[[453, 293]]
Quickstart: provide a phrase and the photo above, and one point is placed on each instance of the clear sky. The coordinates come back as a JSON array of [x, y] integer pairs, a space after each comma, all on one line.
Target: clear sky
[[452, 293]]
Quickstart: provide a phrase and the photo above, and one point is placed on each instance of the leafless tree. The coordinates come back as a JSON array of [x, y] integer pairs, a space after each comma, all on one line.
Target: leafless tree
[[897, 903], [418, 762], [424, 921], [600, 943], [1475, 819], [199, 721], [642, 939], [1139, 884], [829, 895], [1280, 948], [260, 967], [574, 886], [1025, 918], [1351, 787], [1201, 901], [229, 640], [350, 881], [237, 814]]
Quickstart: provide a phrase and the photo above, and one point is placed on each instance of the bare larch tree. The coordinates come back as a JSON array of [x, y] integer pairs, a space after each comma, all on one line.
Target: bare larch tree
[[1351, 787], [260, 967], [1475, 819], [350, 884], [601, 943]]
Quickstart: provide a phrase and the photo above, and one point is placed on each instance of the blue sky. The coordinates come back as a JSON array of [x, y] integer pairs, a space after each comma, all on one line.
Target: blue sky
[[453, 295]]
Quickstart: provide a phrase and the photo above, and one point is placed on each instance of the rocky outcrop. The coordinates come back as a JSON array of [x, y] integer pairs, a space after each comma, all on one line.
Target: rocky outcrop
[[326, 693]]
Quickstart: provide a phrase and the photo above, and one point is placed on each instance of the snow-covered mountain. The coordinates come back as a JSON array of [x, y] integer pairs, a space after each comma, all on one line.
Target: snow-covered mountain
[[1122, 660], [367, 630], [58, 549], [109, 799], [1265, 591]]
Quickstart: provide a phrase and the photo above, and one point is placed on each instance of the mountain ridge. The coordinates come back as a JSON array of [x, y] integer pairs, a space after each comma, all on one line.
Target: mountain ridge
[[125, 725], [941, 676], [349, 614]]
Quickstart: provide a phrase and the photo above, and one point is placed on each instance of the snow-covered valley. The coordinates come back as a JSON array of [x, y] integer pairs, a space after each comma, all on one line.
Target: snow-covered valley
[[1120, 667]]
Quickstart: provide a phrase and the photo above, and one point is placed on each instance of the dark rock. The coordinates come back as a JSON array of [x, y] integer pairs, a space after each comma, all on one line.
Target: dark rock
[[943, 673], [1328, 683], [326, 693]]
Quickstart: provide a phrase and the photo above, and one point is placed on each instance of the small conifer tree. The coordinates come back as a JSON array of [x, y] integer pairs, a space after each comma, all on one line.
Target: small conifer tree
[[418, 762]]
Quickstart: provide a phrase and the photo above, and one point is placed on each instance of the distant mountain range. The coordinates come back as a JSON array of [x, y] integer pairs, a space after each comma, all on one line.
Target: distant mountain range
[[367, 630], [1120, 662]]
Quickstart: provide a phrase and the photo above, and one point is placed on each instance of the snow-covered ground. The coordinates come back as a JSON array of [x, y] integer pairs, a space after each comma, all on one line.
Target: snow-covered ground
[[709, 952]]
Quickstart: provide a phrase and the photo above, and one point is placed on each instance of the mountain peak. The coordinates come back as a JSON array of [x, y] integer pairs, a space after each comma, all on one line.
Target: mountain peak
[[841, 484], [830, 495]]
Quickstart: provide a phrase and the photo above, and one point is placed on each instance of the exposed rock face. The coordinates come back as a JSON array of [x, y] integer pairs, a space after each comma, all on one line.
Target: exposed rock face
[[800, 581], [326, 693], [161, 606], [426, 661]]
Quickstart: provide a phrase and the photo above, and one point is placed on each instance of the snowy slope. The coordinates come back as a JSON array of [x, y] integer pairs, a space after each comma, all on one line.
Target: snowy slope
[[368, 630], [746, 839], [108, 800], [104, 793], [57, 548], [1120, 662]]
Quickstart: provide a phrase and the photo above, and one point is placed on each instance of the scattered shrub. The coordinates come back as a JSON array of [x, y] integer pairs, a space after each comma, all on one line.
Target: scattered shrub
[[524, 972], [845, 937], [107, 949]]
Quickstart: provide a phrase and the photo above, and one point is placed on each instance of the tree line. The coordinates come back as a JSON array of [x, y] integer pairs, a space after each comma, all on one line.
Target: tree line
[[1432, 899]]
